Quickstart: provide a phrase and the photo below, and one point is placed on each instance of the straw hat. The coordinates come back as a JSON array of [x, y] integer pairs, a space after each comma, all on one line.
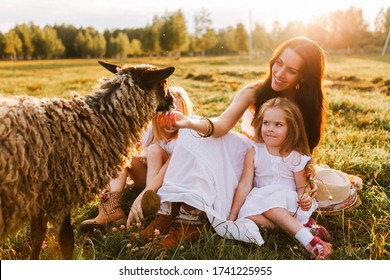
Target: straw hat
[[333, 186]]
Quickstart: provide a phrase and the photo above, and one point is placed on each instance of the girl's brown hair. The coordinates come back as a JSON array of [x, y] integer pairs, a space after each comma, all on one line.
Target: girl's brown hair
[[309, 97]]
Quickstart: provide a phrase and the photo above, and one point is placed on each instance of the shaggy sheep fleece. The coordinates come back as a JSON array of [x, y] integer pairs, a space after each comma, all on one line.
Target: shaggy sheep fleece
[[56, 154]]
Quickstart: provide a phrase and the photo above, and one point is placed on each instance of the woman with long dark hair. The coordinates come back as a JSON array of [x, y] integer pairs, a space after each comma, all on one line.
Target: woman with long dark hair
[[208, 159]]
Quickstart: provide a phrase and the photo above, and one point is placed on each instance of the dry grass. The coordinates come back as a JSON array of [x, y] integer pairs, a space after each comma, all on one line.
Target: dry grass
[[357, 141]]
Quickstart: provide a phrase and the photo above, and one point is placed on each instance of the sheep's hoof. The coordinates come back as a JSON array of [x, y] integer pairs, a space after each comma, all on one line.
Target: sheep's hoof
[[150, 203]]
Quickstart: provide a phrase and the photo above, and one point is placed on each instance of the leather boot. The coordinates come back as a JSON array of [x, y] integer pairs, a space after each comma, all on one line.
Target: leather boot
[[187, 227], [162, 222], [110, 212], [159, 226], [182, 232]]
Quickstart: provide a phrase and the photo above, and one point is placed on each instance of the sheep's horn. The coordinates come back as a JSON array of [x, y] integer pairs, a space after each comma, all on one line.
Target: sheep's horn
[[110, 67], [158, 75]]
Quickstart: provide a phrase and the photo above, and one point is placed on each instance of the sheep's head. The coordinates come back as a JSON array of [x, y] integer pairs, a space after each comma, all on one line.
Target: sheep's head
[[150, 79]]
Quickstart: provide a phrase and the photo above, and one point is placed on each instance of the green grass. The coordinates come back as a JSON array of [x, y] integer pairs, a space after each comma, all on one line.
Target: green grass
[[357, 141]]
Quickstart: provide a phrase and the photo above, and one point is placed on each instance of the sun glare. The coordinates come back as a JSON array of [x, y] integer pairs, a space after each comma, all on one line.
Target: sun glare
[[305, 11]]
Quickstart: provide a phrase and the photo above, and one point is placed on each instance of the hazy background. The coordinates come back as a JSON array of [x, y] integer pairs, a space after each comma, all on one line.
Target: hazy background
[[114, 14]]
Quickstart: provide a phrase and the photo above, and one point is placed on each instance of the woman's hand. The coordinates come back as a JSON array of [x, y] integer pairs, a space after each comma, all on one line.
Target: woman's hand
[[174, 119], [135, 214]]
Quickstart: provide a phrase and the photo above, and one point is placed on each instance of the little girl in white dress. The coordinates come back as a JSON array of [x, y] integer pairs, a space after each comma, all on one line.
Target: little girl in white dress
[[274, 178], [274, 184]]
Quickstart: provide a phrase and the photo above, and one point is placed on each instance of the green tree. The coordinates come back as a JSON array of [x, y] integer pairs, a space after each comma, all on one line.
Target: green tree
[[90, 43], [226, 41], [119, 46], [46, 43], [112, 47], [80, 44], [135, 47], [13, 44], [261, 39], [241, 39], [124, 45], [2, 45], [25, 34], [150, 39], [205, 37], [173, 34], [209, 40], [67, 35]]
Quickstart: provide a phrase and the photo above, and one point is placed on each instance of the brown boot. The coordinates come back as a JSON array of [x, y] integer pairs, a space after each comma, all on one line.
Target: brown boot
[[161, 224], [187, 227], [110, 212], [181, 231]]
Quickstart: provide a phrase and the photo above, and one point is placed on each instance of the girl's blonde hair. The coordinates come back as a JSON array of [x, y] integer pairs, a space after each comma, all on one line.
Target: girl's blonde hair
[[180, 94]]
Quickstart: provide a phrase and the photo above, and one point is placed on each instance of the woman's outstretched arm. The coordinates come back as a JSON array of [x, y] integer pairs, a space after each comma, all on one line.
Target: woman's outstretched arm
[[221, 124]]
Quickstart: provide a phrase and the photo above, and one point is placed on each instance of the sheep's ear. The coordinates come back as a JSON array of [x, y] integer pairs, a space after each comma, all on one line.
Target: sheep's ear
[[110, 67], [158, 75]]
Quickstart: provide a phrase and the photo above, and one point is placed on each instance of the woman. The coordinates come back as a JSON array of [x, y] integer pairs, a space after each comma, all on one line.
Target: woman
[[204, 171]]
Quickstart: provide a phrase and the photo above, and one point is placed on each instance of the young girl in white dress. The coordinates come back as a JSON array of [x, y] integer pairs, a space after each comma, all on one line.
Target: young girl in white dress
[[274, 179]]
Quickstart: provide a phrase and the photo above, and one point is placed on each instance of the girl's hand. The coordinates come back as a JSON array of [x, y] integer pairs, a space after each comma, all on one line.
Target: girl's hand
[[305, 202], [135, 214]]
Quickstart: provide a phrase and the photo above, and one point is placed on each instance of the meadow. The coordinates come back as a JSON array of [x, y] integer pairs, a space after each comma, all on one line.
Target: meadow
[[356, 141]]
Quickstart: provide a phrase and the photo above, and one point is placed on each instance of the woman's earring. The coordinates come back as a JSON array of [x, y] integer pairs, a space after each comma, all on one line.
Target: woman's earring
[[298, 86]]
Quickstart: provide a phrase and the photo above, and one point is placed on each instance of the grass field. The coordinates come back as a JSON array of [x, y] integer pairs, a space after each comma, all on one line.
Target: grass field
[[357, 141]]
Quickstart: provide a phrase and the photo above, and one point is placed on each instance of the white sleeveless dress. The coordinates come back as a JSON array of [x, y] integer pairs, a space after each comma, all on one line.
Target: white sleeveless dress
[[274, 184]]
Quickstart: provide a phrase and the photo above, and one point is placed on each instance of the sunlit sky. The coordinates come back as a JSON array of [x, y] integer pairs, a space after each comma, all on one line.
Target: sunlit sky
[[112, 14]]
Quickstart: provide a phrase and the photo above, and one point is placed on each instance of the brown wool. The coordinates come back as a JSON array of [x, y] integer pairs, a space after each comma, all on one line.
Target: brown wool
[[56, 154]]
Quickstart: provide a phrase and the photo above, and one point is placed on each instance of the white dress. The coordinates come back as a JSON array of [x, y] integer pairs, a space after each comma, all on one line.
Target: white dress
[[274, 184], [166, 146], [204, 173]]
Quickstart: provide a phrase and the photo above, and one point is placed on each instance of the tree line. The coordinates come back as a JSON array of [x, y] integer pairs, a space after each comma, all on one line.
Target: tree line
[[168, 35]]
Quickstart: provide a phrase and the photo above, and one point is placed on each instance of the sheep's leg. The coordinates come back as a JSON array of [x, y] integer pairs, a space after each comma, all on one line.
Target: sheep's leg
[[38, 226], [66, 238]]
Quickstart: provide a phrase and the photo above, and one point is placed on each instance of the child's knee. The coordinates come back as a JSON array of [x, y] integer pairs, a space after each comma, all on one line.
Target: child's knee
[[155, 151], [262, 221]]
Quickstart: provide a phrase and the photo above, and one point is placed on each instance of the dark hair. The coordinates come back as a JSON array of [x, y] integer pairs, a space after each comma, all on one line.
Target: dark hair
[[309, 97]]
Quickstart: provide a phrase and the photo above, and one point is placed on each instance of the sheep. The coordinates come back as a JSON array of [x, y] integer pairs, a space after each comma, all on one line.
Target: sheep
[[56, 154]]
